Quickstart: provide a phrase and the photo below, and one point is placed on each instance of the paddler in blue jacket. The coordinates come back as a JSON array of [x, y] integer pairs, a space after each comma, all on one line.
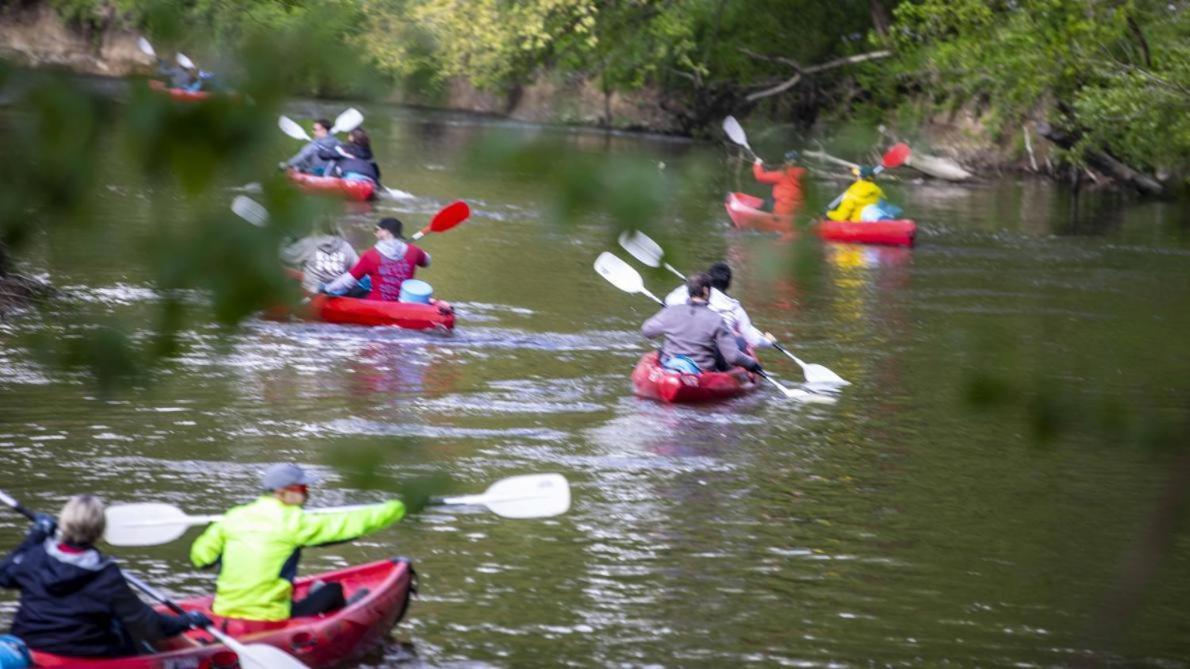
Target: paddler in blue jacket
[[74, 600], [352, 160]]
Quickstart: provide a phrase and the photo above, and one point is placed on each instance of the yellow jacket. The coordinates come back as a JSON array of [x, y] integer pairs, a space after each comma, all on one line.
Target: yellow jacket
[[257, 547], [859, 195]]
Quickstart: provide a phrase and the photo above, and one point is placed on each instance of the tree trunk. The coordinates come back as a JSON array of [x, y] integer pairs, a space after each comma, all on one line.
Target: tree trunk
[[1104, 162], [881, 18]]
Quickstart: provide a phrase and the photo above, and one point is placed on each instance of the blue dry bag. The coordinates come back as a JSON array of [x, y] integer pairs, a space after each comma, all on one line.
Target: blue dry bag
[[14, 654]]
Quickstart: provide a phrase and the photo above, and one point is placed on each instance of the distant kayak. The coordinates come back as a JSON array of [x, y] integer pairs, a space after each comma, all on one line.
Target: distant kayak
[[652, 381], [351, 189], [353, 311], [180, 94], [745, 213], [378, 594]]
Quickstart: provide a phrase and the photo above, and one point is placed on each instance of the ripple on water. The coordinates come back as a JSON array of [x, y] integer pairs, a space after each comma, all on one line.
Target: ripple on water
[[521, 396], [359, 426]]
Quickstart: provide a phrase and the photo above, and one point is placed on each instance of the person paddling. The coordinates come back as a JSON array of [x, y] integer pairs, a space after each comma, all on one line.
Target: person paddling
[[74, 600], [747, 335], [862, 193], [257, 547], [787, 184], [323, 257], [307, 160], [352, 160], [696, 338], [389, 264]]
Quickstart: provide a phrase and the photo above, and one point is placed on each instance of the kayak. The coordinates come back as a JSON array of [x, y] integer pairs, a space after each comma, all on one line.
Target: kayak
[[351, 189], [652, 381], [180, 94], [745, 213], [317, 641], [355, 311]]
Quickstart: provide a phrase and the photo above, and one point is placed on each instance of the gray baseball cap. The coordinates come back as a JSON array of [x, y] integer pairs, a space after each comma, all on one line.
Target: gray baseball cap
[[283, 475]]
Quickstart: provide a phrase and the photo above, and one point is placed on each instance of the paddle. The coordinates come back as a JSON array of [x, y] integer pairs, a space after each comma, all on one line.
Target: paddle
[[621, 275], [894, 157], [185, 61], [250, 210], [649, 252], [145, 47], [735, 132], [349, 120], [448, 217], [252, 655], [527, 496]]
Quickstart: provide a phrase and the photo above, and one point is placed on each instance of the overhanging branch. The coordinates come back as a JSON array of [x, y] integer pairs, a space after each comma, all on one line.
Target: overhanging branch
[[801, 71]]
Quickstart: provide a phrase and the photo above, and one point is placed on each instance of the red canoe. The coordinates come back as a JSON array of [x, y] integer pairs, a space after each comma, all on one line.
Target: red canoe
[[351, 189], [745, 213], [317, 641], [180, 94], [651, 381], [353, 311]]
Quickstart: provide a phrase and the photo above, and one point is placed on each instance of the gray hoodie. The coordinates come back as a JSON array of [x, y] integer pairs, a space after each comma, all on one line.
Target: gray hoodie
[[307, 159], [693, 329], [323, 258]]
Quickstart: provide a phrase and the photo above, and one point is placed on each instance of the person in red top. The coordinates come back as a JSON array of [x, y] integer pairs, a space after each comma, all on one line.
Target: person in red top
[[389, 264], [787, 184]]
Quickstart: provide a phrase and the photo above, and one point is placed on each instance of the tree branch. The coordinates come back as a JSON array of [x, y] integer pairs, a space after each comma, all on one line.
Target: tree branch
[[792, 81]]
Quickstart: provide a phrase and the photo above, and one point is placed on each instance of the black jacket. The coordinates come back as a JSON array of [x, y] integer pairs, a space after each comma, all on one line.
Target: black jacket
[[78, 603], [360, 161]]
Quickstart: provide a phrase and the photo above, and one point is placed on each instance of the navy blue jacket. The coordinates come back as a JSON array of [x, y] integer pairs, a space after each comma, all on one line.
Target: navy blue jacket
[[360, 161], [78, 603]]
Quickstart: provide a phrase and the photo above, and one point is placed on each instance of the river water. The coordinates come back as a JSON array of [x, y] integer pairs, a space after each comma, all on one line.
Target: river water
[[991, 490]]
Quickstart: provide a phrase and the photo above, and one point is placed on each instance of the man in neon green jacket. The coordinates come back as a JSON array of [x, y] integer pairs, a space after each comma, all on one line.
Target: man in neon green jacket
[[257, 547]]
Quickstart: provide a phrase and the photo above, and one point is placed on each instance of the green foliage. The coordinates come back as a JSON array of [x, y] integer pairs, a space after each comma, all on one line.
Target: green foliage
[[1117, 73]]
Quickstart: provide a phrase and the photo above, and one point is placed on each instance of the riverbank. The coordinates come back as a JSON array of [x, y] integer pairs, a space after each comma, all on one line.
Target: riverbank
[[956, 145]]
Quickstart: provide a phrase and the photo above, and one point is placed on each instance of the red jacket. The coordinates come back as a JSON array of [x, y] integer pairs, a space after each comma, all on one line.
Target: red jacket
[[389, 273], [787, 186]]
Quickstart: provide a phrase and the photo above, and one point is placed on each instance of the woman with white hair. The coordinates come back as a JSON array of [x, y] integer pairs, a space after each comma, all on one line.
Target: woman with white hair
[[75, 601]]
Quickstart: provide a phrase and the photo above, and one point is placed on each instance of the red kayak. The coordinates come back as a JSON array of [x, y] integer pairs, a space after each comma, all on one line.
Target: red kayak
[[355, 311], [350, 189], [318, 641], [745, 213], [180, 94], [652, 381]]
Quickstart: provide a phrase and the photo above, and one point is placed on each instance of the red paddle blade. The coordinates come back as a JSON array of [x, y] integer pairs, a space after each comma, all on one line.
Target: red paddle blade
[[896, 156], [449, 216]]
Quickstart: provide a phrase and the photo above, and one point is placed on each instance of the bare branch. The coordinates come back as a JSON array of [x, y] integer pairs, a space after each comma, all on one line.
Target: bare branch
[[829, 65]]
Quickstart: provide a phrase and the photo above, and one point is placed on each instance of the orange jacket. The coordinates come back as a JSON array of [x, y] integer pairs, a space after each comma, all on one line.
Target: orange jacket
[[787, 185]]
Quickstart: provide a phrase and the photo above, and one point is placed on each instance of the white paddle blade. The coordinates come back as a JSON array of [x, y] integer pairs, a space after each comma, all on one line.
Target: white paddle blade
[[619, 273], [185, 61], [641, 247], [735, 132], [145, 47], [291, 128], [817, 374], [146, 524], [399, 194], [347, 121], [262, 656], [250, 210], [528, 496]]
